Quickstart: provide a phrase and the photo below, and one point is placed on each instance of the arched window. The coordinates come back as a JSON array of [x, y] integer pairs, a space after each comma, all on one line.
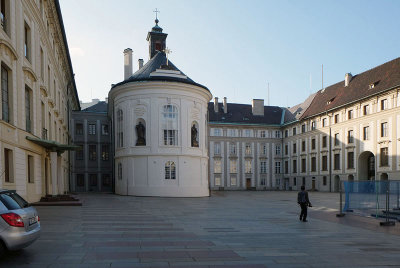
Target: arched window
[[170, 171], [170, 125], [120, 133]]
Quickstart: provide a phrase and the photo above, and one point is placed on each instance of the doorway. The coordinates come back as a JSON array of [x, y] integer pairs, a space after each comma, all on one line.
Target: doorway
[[366, 166], [248, 183]]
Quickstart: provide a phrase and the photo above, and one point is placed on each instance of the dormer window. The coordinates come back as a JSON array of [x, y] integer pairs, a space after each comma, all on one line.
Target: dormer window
[[158, 46], [371, 86]]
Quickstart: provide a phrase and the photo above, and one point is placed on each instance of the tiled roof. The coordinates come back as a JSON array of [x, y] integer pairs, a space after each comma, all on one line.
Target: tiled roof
[[383, 77], [159, 60], [242, 114], [100, 107]]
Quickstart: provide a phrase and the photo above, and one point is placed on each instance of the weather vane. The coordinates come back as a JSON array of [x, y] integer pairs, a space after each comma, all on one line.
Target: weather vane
[[167, 51], [156, 11]]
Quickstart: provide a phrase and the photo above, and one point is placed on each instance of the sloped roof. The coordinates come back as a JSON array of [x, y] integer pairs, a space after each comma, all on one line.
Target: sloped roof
[[159, 61], [300, 108], [100, 107], [383, 77], [242, 114]]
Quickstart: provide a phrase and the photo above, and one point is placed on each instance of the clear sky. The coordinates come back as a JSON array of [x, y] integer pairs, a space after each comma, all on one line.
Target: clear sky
[[234, 47]]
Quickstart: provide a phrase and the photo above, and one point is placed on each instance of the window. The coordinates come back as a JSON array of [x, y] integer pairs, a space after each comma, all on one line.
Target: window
[[80, 180], [247, 166], [313, 164], [170, 125], [312, 144], [366, 133], [5, 96], [120, 133], [27, 42], [294, 148], [217, 148], [106, 178], [277, 167], [294, 131], [324, 142], [217, 132], [262, 134], [313, 127], [350, 160], [324, 180], [336, 141], [248, 149], [30, 171], [384, 129], [232, 148], [92, 129], [232, 133], [350, 114], [286, 167], [384, 157], [41, 64], [92, 152], [4, 15], [277, 134], [294, 181], [93, 180], [217, 180], [278, 149], [304, 181], [303, 165], [264, 149], [350, 136], [28, 109], [366, 109], [233, 180], [247, 133], [294, 168], [263, 166], [104, 152], [79, 153], [303, 128], [336, 161], [217, 166], [104, 129], [303, 146], [170, 170], [324, 122], [336, 118], [8, 165], [286, 133], [286, 149], [119, 171], [262, 181], [384, 104], [232, 166], [324, 163], [79, 129]]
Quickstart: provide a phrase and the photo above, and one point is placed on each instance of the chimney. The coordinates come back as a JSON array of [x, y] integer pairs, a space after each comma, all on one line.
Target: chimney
[[347, 79], [258, 107], [216, 104], [225, 106], [140, 61], [127, 63]]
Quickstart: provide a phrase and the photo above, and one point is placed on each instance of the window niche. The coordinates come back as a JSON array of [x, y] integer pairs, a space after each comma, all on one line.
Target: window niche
[[194, 134], [140, 132]]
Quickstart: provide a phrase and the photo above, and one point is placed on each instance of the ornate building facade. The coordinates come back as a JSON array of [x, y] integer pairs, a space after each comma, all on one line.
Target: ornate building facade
[[38, 93]]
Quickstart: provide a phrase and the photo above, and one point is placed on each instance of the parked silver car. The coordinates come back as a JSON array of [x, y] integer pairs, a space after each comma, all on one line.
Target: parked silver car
[[19, 222]]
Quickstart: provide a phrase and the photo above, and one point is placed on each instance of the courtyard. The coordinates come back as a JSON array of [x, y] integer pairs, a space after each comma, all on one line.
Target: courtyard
[[228, 229]]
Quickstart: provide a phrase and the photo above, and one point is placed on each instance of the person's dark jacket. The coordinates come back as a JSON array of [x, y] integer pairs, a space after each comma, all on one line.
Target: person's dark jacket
[[302, 198]]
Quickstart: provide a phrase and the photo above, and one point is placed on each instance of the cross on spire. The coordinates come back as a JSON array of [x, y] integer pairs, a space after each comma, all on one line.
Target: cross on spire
[[167, 51], [156, 11]]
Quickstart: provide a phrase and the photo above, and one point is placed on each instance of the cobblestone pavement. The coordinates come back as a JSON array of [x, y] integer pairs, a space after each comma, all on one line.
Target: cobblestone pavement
[[229, 229]]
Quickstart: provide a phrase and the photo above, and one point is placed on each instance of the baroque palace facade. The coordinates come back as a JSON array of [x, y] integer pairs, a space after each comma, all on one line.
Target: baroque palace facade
[[38, 93], [347, 131]]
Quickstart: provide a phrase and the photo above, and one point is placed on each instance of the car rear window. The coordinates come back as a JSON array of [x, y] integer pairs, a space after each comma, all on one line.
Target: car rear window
[[13, 201]]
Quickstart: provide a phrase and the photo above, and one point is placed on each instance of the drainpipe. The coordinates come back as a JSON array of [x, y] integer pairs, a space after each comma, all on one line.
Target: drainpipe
[[330, 156]]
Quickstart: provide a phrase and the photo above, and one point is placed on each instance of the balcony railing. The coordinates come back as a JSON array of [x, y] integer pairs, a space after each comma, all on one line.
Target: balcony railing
[[44, 133]]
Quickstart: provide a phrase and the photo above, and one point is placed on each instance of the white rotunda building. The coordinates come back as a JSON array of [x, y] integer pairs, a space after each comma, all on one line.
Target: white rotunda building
[[160, 127]]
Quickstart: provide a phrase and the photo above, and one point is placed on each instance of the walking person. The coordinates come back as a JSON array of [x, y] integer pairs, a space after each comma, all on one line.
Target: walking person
[[304, 202]]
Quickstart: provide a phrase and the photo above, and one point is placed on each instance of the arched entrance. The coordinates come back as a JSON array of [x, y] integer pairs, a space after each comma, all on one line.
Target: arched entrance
[[366, 166], [336, 183], [384, 177]]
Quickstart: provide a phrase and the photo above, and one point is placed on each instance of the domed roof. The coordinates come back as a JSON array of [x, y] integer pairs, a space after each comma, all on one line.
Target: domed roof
[[157, 69]]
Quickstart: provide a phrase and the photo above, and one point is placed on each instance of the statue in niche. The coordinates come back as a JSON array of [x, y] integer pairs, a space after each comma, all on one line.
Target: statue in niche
[[141, 134], [195, 142]]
